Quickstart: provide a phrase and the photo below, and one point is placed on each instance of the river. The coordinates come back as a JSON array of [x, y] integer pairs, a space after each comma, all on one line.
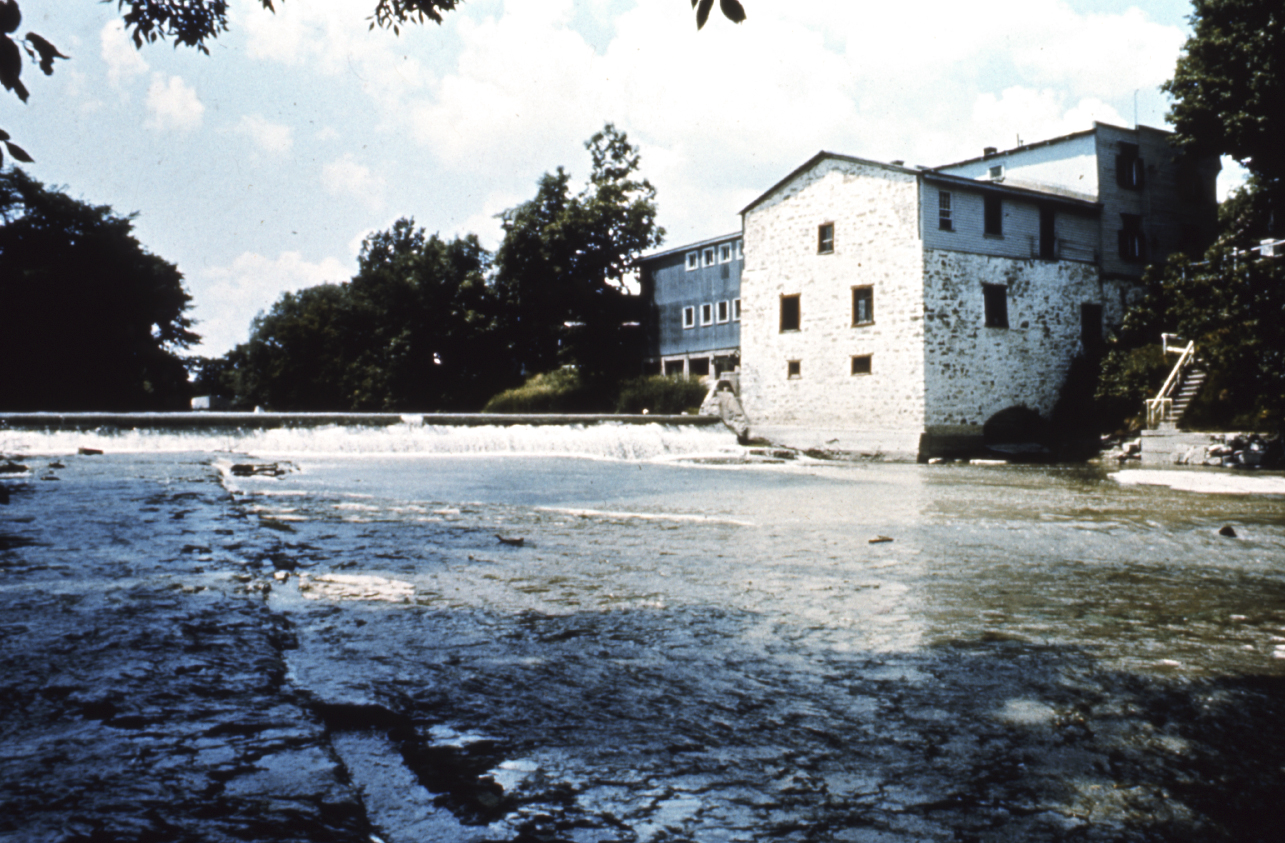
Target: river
[[686, 644]]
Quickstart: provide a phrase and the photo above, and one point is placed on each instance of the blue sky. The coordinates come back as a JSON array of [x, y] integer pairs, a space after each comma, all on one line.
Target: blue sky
[[260, 168]]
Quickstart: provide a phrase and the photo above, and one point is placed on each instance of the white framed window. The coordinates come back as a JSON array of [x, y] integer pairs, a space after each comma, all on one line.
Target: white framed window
[[724, 311], [736, 310], [740, 250], [944, 221], [689, 317], [708, 256], [725, 253], [693, 261], [707, 314]]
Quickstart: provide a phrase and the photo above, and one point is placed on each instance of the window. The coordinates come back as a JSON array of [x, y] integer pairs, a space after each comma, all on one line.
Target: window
[[1048, 243], [725, 253], [698, 367], [736, 310], [693, 260], [996, 298], [1091, 325], [825, 238], [789, 313], [1128, 167], [709, 256], [943, 211], [689, 317], [724, 311], [674, 367], [1132, 244], [792, 369], [863, 305], [993, 212], [740, 253], [707, 314], [861, 364], [997, 172]]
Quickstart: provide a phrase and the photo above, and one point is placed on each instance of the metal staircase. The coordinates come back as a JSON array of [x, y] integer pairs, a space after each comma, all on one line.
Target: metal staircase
[[1166, 410]]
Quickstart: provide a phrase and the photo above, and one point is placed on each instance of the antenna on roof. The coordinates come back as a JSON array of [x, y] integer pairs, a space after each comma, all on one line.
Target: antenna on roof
[[1135, 108]]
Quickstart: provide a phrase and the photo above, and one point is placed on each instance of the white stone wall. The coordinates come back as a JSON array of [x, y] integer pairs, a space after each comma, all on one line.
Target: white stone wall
[[876, 242], [973, 372]]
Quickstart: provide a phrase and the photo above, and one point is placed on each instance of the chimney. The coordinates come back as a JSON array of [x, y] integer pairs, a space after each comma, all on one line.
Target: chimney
[[899, 162], [990, 150]]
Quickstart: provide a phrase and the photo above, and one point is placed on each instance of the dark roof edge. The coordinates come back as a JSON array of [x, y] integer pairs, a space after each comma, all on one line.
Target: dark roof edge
[[689, 246], [816, 159], [1000, 187]]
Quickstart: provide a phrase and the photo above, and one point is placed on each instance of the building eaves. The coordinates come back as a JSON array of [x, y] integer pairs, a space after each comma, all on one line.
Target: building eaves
[[1047, 197], [818, 158], [699, 244]]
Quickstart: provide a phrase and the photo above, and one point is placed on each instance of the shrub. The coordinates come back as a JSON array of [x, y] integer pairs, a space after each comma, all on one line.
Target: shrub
[[559, 391], [663, 394]]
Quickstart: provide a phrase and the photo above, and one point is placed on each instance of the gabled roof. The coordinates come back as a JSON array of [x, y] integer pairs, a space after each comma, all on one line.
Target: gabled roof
[[960, 182], [818, 158], [699, 244], [1050, 141]]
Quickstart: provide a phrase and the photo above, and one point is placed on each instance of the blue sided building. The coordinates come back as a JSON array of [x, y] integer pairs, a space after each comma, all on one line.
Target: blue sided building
[[693, 299]]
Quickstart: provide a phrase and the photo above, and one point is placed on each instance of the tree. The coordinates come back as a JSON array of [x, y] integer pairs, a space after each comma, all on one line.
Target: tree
[[414, 330], [561, 265], [1229, 88], [92, 320]]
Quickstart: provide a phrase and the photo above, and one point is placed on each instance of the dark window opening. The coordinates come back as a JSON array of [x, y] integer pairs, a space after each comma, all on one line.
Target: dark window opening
[[792, 369], [1048, 243], [943, 211], [996, 298], [825, 238], [863, 305], [1091, 325], [1128, 167], [698, 367], [861, 364], [1132, 242], [673, 367], [790, 313], [993, 215]]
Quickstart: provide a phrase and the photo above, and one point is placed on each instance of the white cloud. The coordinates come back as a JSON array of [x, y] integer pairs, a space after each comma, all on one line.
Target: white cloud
[[173, 104], [347, 177], [123, 62], [228, 298], [267, 136]]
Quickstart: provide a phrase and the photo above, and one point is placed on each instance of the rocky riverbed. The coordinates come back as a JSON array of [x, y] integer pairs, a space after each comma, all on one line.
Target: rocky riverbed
[[179, 661]]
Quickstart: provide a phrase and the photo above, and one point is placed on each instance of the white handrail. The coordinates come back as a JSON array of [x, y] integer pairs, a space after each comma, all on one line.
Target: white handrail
[[1158, 408]]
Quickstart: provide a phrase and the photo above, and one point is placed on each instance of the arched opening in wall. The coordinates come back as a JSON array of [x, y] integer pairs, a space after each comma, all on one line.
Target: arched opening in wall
[[1015, 427]]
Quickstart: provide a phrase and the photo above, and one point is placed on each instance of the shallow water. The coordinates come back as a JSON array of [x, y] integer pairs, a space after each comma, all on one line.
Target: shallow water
[[690, 651]]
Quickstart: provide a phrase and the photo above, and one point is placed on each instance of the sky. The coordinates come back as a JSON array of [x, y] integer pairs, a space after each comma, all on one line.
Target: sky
[[260, 168]]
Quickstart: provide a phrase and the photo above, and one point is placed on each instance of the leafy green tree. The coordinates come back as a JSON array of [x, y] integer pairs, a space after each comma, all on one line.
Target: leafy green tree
[[1228, 88], [414, 330], [561, 266], [91, 319]]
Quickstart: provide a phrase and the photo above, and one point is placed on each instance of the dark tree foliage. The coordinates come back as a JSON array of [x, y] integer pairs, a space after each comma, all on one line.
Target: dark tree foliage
[[1232, 305], [1228, 88], [731, 9], [414, 330], [563, 259], [91, 319]]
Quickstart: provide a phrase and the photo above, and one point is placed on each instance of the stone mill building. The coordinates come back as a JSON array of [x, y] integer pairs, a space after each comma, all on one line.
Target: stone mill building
[[896, 309]]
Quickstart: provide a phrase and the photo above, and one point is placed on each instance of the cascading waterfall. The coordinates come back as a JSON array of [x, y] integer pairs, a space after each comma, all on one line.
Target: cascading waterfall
[[604, 439]]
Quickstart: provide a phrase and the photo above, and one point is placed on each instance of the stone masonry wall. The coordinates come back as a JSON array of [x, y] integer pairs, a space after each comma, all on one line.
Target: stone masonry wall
[[876, 243], [972, 371]]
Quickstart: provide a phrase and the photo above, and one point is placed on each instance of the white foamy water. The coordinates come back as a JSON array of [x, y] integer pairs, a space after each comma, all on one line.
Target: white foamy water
[[604, 440], [1209, 482]]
